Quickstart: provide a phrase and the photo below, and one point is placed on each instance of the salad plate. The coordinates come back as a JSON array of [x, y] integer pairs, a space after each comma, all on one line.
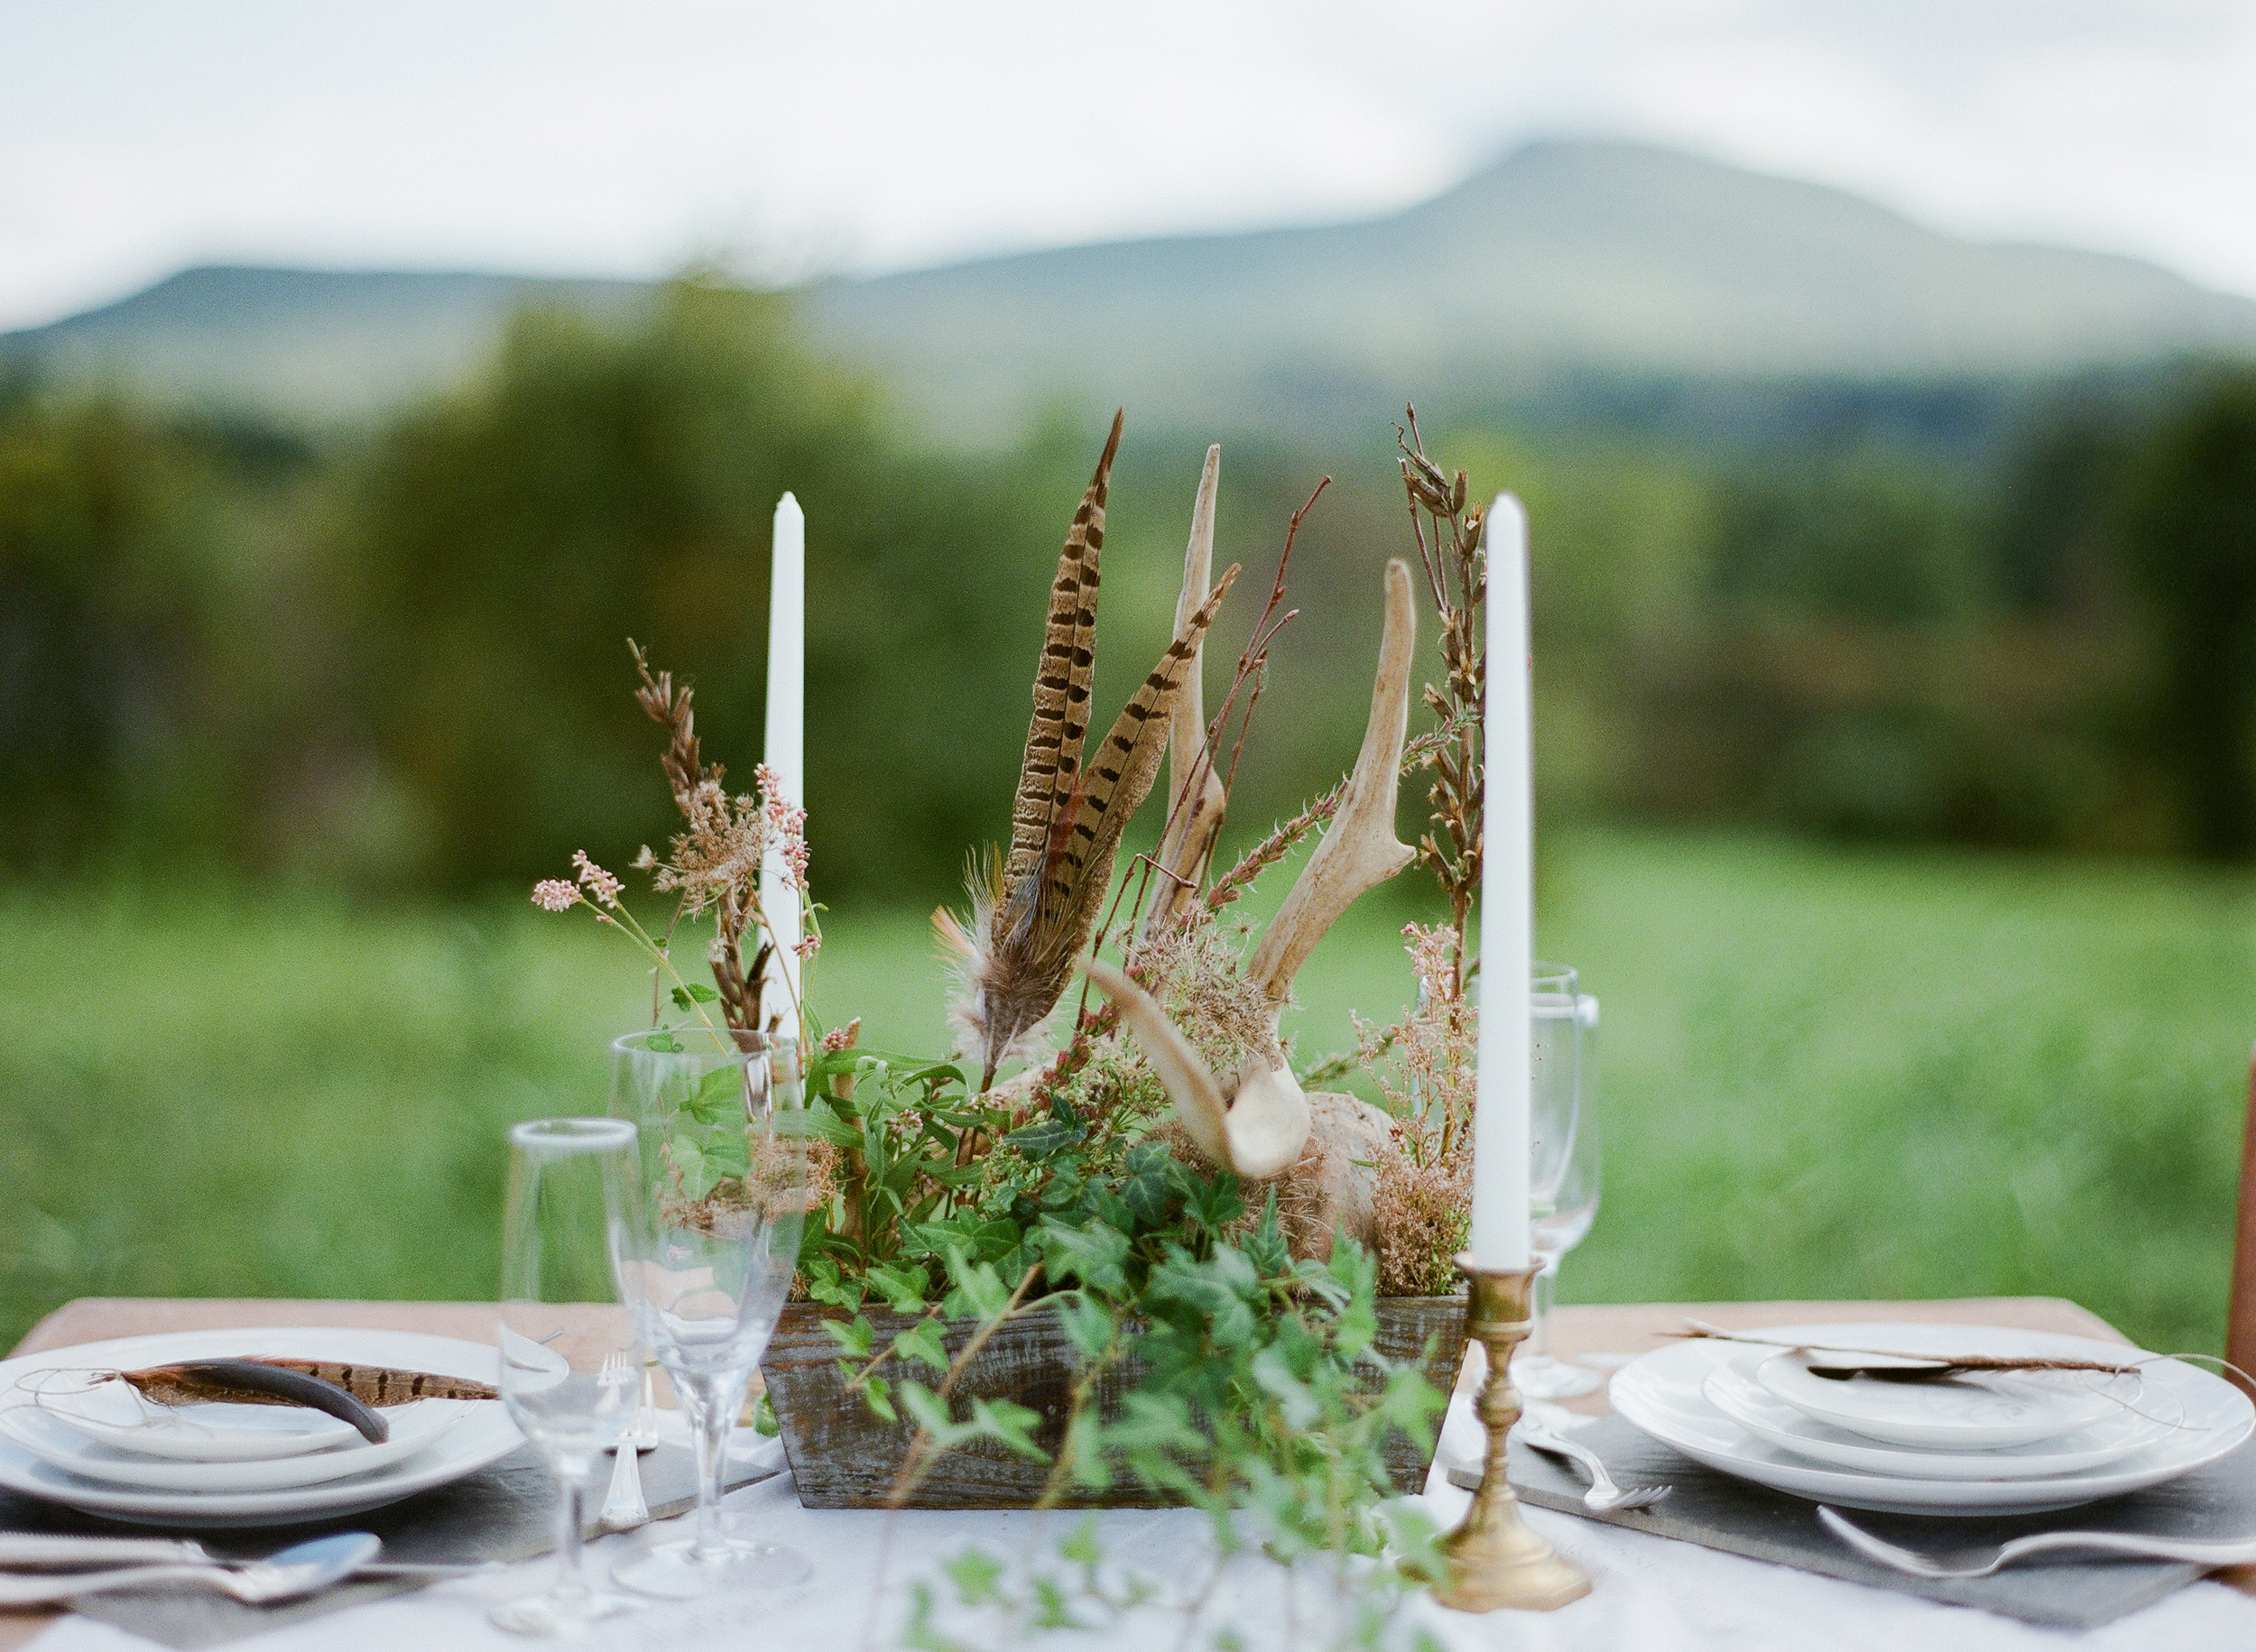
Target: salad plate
[[414, 1428], [1973, 1411], [1733, 1389]]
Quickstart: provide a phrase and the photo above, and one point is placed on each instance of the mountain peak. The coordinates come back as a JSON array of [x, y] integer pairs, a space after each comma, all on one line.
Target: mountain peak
[[1568, 257]]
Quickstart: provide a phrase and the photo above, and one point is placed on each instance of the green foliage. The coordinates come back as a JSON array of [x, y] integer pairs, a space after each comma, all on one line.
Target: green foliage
[[395, 657], [2191, 539], [1260, 1397], [137, 585]]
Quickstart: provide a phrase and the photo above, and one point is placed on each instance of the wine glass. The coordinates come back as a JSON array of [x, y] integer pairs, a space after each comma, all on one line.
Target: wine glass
[[571, 1364], [1563, 1158], [724, 1174]]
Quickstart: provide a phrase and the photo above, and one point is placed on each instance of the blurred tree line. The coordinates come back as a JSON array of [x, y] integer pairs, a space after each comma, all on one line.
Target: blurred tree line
[[396, 658]]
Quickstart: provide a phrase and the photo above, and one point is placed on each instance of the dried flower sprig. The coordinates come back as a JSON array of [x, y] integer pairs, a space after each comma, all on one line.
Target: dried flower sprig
[[714, 866], [598, 891], [1449, 549], [716, 863]]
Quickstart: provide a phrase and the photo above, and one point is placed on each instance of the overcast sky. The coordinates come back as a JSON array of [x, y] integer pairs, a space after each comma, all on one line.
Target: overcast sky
[[628, 136]]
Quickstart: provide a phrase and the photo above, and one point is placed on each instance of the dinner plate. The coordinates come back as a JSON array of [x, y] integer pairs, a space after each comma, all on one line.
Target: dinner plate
[[1975, 1411], [485, 1437], [414, 1426], [1662, 1394], [1733, 1389]]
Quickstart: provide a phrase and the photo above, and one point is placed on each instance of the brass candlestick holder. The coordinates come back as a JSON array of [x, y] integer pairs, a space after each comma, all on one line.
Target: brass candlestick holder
[[1495, 1560]]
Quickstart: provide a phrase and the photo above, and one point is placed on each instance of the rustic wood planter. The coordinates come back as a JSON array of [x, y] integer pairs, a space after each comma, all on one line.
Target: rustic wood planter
[[843, 1457]]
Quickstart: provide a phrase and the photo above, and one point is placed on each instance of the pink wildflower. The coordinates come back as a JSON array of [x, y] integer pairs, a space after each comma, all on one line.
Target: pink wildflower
[[555, 895], [806, 948], [836, 1039], [604, 887]]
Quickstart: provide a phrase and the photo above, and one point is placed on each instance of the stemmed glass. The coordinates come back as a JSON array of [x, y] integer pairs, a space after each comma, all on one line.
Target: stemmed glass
[[1563, 1116], [571, 1364], [724, 1172]]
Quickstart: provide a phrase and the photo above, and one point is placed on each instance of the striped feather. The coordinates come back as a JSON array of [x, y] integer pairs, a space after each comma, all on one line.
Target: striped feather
[[1048, 775], [1079, 868]]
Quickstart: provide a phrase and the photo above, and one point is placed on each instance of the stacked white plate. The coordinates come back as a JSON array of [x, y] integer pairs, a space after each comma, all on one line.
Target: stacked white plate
[[1978, 1443], [69, 1437]]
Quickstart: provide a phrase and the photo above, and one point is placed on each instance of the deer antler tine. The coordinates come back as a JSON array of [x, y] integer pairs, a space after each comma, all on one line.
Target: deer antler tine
[[1195, 793], [1269, 1121], [1191, 1082], [1361, 850]]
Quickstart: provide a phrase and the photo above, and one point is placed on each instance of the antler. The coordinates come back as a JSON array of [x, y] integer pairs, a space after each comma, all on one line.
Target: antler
[[1195, 795], [1263, 1125], [1361, 850]]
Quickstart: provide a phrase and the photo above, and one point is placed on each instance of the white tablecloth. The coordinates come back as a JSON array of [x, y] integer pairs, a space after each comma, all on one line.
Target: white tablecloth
[[1648, 1594]]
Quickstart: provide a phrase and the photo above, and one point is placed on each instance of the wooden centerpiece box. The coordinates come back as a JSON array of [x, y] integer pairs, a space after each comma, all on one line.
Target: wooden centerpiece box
[[844, 1456]]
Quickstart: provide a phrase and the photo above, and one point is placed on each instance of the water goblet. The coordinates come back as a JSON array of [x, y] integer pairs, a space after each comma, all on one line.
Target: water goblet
[[570, 1360], [1563, 1159], [724, 1172]]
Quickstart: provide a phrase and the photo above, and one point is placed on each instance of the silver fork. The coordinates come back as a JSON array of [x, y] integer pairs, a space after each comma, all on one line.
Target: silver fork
[[1985, 1559], [624, 1507], [644, 1435], [1604, 1497]]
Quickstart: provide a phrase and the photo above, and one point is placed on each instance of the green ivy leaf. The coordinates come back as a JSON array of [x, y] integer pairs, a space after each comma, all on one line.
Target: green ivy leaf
[[980, 1288], [903, 1288], [1038, 1142], [877, 1394], [921, 1342], [1093, 1255], [974, 1573], [1008, 1423]]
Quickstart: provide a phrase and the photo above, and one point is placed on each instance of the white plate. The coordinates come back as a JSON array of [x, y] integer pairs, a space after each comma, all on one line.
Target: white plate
[[1733, 1389], [110, 1413], [1978, 1411], [414, 1426], [1661, 1394], [485, 1437]]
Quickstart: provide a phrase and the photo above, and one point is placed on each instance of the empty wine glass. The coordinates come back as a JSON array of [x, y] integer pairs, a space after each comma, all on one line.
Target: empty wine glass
[[1563, 1157], [571, 1363], [724, 1172]]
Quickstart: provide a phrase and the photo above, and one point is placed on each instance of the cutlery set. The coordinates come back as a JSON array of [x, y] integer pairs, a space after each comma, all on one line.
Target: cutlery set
[[302, 1569]]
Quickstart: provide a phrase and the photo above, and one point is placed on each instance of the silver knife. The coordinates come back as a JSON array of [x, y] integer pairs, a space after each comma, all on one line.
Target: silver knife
[[61, 1549]]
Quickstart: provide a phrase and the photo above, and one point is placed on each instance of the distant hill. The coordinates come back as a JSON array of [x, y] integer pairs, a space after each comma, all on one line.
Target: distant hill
[[318, 342], [1564, 263]]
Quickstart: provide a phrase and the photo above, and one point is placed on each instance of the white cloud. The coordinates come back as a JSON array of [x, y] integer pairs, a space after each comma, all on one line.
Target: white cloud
[[575, 137]]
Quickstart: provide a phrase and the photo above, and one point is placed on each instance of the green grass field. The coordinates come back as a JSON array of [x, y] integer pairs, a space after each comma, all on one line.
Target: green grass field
[[1826, 1074]]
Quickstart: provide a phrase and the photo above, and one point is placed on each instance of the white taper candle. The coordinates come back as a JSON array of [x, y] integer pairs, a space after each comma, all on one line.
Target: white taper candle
[[1499, 1138], [786, 739]]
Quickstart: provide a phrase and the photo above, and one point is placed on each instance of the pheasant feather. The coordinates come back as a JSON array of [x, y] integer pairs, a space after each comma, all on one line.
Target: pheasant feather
[[1061, 684], [1033, 914]]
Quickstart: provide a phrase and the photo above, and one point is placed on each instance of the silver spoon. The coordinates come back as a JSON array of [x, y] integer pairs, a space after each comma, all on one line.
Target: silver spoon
[[305, 1568], [1985, 1559]]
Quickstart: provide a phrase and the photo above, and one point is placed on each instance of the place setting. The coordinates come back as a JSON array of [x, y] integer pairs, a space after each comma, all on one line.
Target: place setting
[[2063, 1479]]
